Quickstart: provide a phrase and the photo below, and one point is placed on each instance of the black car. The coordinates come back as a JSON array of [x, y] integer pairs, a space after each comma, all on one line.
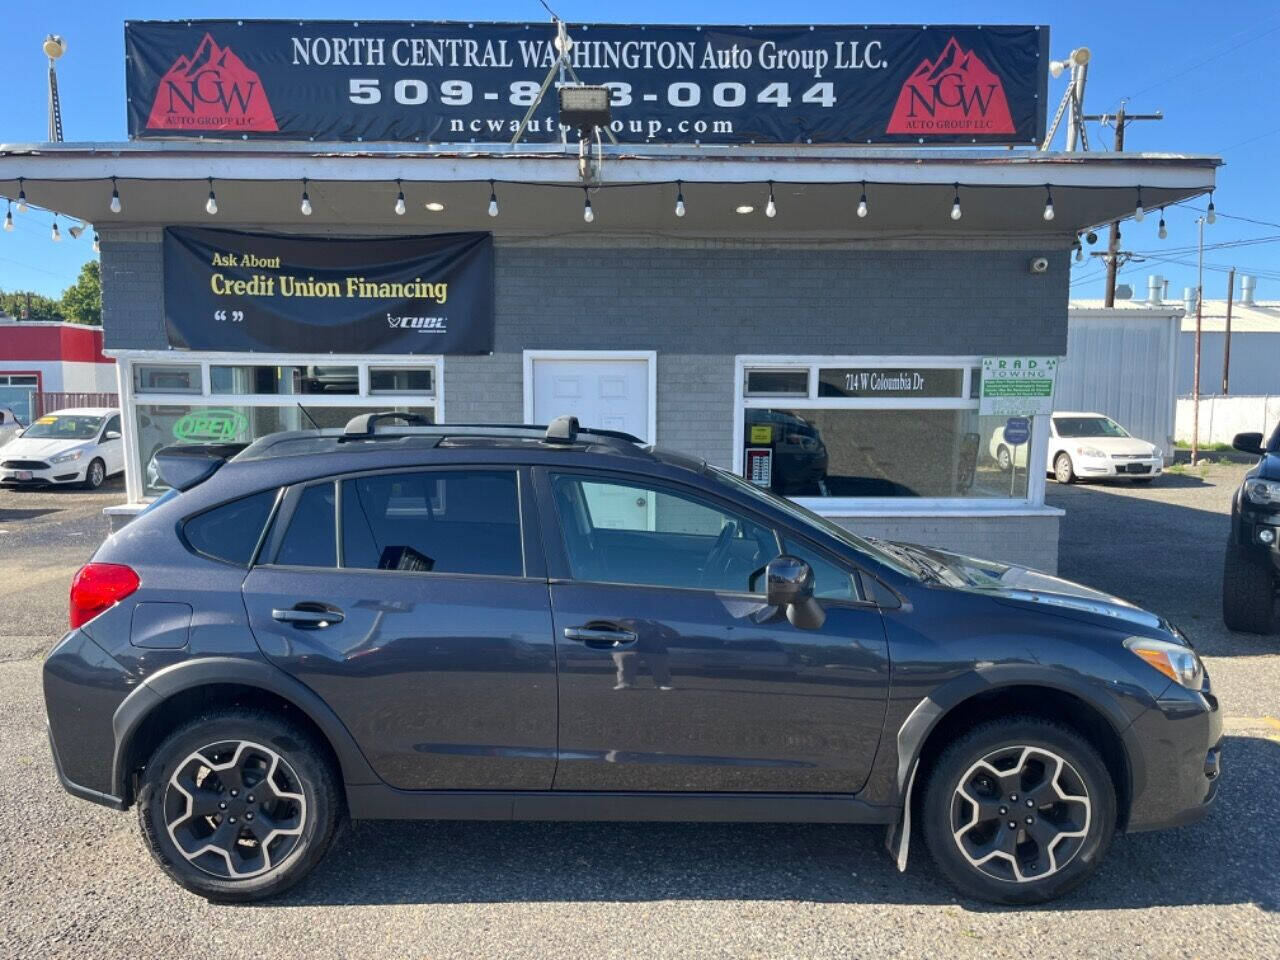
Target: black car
[[455, 622], [1251, 571]]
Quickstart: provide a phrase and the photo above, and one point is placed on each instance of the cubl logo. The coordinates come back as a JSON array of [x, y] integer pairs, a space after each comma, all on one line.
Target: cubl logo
[[956, 93], [213, 90]]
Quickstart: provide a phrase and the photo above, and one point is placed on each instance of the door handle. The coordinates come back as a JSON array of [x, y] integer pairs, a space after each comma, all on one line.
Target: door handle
[[308, 619], [595, 637]]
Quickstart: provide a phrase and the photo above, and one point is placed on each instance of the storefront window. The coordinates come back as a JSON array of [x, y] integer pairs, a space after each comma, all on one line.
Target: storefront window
[[877, 430], [166, 378], [401, 380], [273, 380]]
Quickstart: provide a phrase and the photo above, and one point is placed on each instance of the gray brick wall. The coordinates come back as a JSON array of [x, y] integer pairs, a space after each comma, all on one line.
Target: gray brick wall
[[132, 290]]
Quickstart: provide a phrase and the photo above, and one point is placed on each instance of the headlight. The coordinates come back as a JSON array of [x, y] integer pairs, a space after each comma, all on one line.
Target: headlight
[[1180, 664], [66, 457], [1157, 453], [1266, 492], [1091, 452]]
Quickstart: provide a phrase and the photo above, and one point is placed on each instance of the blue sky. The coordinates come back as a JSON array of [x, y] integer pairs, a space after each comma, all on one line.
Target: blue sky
[[1209, 69]]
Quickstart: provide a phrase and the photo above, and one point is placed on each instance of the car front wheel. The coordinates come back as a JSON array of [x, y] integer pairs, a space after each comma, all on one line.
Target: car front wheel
[[1003, 460], [1062, 469], [94, 476], [1018, 810], [238, 805]]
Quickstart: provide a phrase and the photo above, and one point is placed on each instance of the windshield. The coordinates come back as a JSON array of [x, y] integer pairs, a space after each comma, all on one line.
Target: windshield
[[1088, 427], [57, 427], [882, 553]]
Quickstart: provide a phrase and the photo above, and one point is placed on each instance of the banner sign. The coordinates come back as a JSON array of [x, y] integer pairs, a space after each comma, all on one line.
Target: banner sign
[[474, 82], [1017, 386], [225, 290]]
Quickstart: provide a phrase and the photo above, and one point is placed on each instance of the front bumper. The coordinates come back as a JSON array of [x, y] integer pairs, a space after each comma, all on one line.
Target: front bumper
[[71, 472], [1121, 469], [1180, 771]]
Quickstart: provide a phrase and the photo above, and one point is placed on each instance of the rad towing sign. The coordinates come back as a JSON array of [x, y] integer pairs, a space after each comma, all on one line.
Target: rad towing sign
[[1017, 386], [473, 82]]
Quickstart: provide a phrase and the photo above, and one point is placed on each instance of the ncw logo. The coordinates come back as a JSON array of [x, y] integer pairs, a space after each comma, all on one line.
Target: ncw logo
[[213, 90], [957, 93]]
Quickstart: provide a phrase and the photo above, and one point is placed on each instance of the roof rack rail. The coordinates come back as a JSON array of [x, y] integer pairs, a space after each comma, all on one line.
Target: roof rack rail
[[562, 430], [365, 424]]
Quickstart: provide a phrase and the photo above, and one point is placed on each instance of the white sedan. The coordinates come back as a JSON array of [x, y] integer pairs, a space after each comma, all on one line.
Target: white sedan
[[1083, 446], [80, 446]]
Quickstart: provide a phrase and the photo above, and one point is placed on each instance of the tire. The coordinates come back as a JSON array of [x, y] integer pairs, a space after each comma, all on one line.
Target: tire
[[94, 476], [1062, 469], [1248, 592], [1003, 460], [1074, 832], [301, 816]]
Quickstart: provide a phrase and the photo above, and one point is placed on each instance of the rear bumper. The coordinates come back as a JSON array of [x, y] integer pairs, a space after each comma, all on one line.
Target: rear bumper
[[1181, 741], [76, 789]]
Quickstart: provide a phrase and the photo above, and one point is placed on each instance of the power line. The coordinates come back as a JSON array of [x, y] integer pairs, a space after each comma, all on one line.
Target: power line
[[1200, 63]]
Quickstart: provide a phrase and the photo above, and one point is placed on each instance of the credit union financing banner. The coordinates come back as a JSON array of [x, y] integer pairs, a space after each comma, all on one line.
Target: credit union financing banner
[[225, 290], [472, 83]]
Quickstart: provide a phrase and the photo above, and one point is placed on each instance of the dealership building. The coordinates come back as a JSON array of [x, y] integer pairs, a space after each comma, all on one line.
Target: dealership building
[[815, 315]]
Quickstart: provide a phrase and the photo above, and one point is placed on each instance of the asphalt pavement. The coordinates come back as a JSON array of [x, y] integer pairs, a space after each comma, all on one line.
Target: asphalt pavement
[[76, 881]]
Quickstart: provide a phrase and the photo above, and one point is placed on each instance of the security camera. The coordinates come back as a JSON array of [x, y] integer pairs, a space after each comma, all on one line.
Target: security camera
[[1038, 265], [1091, 238]]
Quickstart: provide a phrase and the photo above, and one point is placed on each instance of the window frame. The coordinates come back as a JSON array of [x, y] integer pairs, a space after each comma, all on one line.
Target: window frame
[[268, 526], [1033, 502]]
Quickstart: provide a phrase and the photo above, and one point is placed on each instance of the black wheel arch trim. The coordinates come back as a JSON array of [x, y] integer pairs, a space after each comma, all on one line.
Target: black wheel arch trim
[[209, 671]]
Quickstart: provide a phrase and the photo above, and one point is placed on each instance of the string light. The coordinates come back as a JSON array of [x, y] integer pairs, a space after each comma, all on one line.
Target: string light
[[679, 198], [22, 197], [1163, 232], [1048, 203], [493, 200], [54, 235], [956, 213], [8, 218], [862, 201], [116, 206], [211, 205], [97, 247], [771, 208], [1211, 216], [400, 207], [1138, 212], [305, 205], [587, 213]]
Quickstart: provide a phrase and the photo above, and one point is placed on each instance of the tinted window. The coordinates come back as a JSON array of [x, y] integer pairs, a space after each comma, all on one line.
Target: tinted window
[[230, 532], [447, 521], [830, 580], [626, 533], [310, 540]]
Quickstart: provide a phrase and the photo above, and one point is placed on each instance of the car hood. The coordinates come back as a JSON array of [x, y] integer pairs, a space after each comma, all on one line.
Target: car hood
[[39, 448], [1010, 582], [1113, 445]]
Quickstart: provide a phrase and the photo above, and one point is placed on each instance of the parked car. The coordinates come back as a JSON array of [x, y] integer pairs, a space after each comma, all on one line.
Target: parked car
[[78, 446], [799, 455], [1251, 573], [1087, 446], [456, 622], [10, 425]]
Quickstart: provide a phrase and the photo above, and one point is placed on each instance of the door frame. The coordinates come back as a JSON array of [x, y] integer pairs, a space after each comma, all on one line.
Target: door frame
[[650, 357]]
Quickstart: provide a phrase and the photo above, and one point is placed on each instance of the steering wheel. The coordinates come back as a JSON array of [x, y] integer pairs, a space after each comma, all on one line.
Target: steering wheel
[[718, 558]]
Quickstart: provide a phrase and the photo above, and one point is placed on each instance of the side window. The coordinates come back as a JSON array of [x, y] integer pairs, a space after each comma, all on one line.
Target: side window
[[440, 521], [830, 581], [311, 540], [113, 426], [616, 532], [230, 532]]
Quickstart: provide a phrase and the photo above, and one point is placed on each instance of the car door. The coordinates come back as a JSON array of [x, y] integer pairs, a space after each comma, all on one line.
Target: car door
[[111, 446], [415, 604], [674, 674]]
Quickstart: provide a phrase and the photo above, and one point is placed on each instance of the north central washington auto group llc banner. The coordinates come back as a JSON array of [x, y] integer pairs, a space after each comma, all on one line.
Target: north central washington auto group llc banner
[[472, 83]]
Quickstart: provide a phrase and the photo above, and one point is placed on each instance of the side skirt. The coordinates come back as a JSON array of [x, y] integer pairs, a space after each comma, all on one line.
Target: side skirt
[[376, 802]]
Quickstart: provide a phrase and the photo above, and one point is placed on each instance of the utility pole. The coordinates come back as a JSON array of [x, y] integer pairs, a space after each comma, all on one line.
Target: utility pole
[[54, 47], [1114, 253], [1226, 340], [1195, 381]]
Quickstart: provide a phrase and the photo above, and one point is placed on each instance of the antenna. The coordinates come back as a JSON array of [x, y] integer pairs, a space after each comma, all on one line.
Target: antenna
[[308, 416]]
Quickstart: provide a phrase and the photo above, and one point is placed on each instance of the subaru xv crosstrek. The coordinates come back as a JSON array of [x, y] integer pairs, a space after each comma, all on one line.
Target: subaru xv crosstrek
[[399, 620]]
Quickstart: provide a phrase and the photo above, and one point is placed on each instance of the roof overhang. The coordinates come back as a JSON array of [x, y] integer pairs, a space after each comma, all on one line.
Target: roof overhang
[[352, 186]]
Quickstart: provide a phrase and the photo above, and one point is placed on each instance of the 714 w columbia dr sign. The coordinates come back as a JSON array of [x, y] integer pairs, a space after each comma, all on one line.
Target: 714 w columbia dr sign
[[473, 82]]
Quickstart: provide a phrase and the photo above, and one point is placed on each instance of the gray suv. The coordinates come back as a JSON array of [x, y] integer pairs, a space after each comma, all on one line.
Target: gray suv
[[400, 620]]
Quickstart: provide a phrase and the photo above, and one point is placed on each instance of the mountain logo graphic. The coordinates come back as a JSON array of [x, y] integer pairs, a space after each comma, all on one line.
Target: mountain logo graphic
[[954, 94], [213, 90]]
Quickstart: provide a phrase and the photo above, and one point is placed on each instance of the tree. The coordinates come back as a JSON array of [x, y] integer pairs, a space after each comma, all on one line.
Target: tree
[[25, 305], [82, 301]]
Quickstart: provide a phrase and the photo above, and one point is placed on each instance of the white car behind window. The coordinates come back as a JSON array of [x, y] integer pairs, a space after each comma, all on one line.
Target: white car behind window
[[80, 446], [1086, 446]]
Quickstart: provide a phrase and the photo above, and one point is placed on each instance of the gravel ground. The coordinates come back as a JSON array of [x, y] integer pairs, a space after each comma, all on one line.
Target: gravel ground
[[75, 880]]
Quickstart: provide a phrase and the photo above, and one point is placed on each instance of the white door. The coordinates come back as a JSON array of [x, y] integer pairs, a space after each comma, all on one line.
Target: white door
[[604, 393]]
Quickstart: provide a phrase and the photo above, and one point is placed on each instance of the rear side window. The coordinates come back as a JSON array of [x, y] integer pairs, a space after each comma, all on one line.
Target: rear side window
[[230, 532], [310, 540], [447, 521]]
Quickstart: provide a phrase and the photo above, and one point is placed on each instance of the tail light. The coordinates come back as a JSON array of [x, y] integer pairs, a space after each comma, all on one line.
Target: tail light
[[98, 586]]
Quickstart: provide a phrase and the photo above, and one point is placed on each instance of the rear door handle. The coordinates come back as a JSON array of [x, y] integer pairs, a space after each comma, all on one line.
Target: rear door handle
[[595, 637], [308, 617]]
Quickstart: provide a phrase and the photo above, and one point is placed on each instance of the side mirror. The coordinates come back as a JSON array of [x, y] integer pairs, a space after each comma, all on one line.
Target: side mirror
[[111, 435], [1248, 443], [789, 584]]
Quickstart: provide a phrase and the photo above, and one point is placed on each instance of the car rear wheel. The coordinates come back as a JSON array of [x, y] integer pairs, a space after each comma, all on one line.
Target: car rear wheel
[[1248, 592], [238, 806], [94, 476], [1063, 472], [1018, 810], [1003, 460]]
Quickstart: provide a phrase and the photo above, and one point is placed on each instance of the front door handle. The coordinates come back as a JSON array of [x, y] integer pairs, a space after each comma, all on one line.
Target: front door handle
[[308, 616], [597, 637]]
